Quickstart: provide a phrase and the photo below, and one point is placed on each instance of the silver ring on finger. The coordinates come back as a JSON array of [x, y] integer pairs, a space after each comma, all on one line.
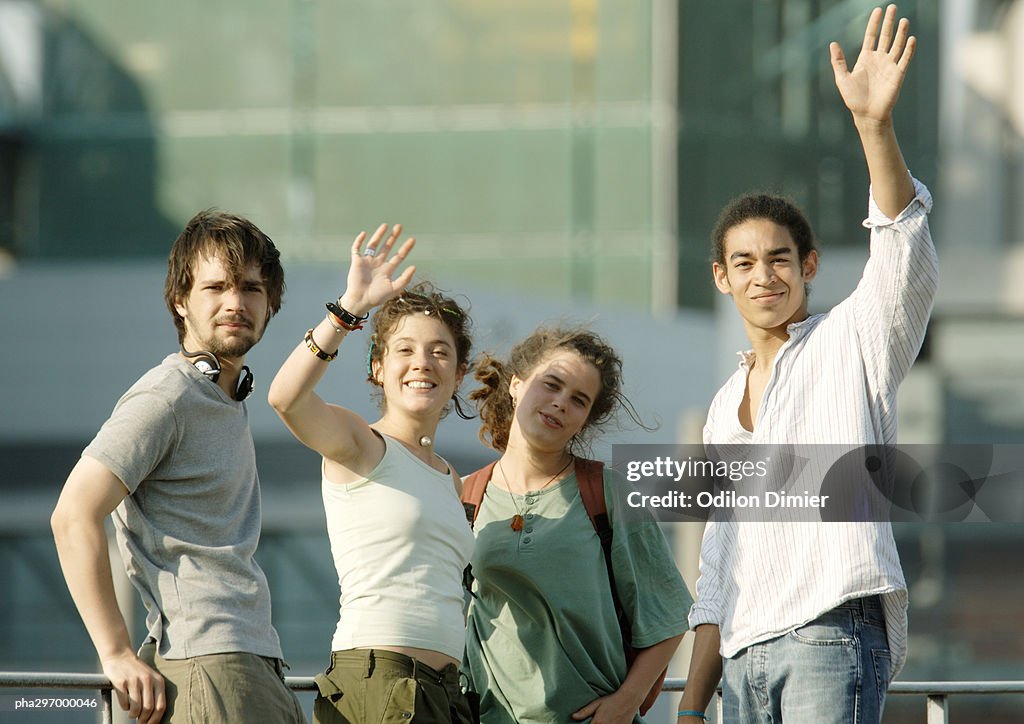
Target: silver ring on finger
[[370, 252]]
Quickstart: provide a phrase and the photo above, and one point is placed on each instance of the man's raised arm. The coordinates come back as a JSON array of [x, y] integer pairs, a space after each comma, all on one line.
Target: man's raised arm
[[870, 92]]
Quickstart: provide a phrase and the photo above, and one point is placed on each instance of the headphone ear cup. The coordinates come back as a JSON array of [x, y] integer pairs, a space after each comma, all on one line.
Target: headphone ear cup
[[245, 381], [205, 363]]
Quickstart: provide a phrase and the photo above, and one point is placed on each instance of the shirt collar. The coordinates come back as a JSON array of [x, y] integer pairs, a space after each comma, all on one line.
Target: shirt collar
[[746, 358], [794, 329], [800, 327]]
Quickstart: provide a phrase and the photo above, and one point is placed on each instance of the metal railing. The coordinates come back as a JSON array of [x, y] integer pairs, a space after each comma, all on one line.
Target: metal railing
[[937, 693]]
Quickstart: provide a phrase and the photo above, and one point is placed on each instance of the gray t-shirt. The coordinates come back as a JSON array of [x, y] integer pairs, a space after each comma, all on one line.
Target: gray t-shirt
[[189, 527]]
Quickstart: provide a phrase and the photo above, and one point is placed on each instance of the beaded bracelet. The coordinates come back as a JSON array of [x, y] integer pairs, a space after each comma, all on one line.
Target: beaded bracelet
[[315, 348]]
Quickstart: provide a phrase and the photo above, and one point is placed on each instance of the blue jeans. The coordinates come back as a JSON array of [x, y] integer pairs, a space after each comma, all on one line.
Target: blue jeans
[[833, 670]]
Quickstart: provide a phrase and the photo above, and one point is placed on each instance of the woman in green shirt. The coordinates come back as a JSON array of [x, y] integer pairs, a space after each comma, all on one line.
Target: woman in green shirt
[[543, 641]]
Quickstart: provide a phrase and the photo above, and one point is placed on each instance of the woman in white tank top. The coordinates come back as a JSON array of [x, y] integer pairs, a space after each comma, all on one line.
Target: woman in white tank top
[[398, 532]]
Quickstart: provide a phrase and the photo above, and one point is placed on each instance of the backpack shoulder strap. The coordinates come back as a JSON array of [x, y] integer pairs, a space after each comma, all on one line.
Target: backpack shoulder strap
[[473, 487], [590, 478]]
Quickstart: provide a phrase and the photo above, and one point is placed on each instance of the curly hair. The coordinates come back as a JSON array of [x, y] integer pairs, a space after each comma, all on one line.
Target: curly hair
[[776, 209], [494, 403], [427, 299]]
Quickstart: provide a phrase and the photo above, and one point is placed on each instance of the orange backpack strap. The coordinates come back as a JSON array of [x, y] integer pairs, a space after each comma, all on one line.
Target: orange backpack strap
[[590, 478], [473, 487]]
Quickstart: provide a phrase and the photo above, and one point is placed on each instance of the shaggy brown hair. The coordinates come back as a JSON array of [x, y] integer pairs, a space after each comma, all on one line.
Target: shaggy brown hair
[[233, 239]]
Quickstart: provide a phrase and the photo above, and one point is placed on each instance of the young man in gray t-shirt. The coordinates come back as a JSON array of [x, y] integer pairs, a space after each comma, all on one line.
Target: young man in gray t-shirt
[[175, 468]]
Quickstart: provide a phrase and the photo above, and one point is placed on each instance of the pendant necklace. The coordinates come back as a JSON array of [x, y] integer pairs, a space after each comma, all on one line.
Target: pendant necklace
[[517, 520]]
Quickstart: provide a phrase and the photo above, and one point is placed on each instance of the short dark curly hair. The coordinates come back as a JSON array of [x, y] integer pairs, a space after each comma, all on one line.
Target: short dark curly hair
[[777, 209]]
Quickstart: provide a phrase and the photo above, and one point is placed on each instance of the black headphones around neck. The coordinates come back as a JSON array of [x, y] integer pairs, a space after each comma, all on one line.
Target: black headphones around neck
[[208, 364]]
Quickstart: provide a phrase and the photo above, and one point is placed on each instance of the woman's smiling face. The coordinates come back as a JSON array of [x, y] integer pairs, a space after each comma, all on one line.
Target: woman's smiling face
[[419, 369]]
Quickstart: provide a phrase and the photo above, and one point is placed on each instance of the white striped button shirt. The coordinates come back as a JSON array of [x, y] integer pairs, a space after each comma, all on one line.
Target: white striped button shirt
[[833, 382]]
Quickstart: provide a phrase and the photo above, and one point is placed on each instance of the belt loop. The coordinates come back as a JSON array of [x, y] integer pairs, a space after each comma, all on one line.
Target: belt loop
[[868, 604], [370, 664]]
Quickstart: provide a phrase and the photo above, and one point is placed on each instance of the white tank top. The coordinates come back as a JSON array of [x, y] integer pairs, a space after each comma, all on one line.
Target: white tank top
[[400, 542]]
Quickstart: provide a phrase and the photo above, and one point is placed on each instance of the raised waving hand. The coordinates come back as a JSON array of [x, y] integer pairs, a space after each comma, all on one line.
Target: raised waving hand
[[871, 89], [870, 92], [332, 430], [370, 274]]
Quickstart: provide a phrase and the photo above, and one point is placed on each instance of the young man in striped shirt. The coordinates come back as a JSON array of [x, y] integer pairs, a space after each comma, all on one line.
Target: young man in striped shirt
[[811, 618]]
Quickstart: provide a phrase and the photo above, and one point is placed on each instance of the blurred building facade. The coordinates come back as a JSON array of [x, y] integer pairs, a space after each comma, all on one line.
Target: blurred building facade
[[551, 158]]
